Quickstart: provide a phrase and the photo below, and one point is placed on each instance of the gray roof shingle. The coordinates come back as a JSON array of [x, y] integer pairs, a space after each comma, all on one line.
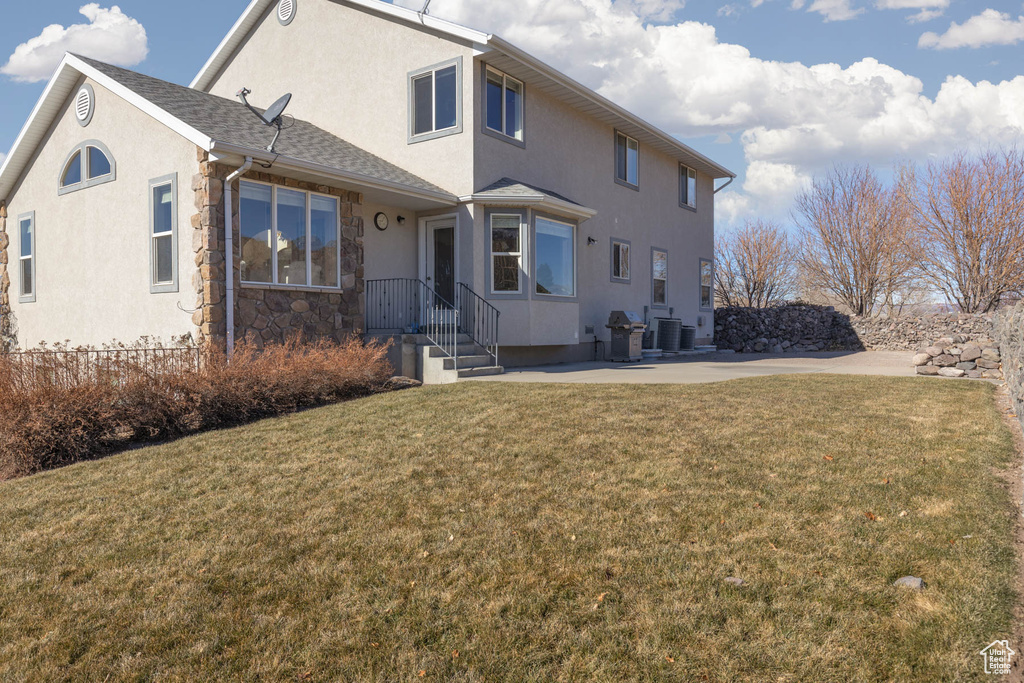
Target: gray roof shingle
[[230, 122], [507, 187]]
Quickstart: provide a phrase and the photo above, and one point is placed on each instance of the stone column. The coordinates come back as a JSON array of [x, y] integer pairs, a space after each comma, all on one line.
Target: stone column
[[208, 247], [7, 338]]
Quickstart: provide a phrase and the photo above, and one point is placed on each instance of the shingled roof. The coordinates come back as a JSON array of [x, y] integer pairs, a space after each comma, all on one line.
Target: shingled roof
[[229, 121]]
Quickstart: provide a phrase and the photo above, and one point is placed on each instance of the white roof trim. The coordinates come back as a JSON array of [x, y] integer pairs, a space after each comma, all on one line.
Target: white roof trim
[[256, 9], [254, 13], [532, 201], [61, 84]]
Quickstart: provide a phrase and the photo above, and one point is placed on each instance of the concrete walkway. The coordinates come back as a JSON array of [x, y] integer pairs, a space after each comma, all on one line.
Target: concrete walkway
[[715, 367]]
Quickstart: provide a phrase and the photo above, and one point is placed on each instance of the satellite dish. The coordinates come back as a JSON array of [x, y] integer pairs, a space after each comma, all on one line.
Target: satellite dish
[[270, 117], [276, 109]]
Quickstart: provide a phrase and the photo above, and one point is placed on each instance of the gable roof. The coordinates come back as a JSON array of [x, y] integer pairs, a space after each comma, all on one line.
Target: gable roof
[[502, 55], [221, 126]]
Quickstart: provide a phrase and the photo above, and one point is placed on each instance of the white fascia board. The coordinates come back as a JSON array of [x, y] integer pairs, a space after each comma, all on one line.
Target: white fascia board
[[254, 12], [139, 102], [508, 49], [224, 150], [532, 201]]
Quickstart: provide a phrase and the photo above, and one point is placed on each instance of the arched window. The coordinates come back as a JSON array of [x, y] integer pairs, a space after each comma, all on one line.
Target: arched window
[[89, 164]]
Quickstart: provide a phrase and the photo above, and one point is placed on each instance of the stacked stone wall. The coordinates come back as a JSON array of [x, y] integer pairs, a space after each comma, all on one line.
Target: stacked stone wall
[[269, 313], [8, 338], [1009, 333]]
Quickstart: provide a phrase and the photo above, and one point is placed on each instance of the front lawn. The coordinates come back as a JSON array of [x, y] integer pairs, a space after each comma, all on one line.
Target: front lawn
[[492, 532]]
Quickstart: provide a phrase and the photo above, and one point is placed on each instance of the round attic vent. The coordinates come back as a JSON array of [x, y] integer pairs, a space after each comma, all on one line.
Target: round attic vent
[[85, 104], [286, 11]]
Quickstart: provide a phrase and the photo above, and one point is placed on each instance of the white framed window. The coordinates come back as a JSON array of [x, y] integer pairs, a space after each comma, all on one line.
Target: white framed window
[[435, 101], [506, 253], [627, 161], [555, 257], [163, 234], [707, 284], [289, 237], [503, 104], [620, 260], [659, 277], [89, 164], [27, 257], [687, 187]]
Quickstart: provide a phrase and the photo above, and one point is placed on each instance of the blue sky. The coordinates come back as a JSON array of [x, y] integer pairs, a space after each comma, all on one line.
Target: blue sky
[[776, 90]]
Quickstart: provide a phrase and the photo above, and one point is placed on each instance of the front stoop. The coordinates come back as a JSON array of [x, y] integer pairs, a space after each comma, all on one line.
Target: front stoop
[[433, 367]]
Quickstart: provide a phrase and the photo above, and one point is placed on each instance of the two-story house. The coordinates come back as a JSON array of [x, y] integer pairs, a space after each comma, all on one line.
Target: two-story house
[[424, 179]]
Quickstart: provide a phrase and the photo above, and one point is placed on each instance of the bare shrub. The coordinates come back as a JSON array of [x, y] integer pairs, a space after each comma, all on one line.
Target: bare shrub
[[755, 266], [857, 240], [59, 411], [969, 213]]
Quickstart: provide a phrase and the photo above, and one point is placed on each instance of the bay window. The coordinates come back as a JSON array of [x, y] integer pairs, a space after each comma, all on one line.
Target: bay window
[[288, 237], [506, 253], [555, 267]]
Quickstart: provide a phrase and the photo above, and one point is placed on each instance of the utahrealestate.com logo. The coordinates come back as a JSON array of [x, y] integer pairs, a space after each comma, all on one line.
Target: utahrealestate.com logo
[[997, 657]]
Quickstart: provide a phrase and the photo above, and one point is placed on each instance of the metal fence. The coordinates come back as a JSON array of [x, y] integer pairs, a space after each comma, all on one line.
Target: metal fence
[[66, 369]]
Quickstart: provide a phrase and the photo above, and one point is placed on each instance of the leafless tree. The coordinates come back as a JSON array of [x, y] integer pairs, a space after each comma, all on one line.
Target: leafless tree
[[969, 214], [755, 266], [856, 239]]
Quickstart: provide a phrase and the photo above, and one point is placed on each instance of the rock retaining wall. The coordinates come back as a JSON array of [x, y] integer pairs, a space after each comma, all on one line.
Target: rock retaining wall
[[1009, 332], [801, 327], [958, 356], [7, 337]]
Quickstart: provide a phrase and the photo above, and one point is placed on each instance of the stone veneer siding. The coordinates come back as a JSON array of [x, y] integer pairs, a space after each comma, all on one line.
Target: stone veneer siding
[[269, 313], [8, 340]]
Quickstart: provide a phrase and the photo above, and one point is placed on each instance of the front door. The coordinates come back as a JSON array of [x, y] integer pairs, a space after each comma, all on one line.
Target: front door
[[441, 259]]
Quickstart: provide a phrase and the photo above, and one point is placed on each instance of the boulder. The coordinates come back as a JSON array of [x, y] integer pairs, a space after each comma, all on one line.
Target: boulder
[[971, 352], [921, 359], [975, 374], [933, 351], [911, 582], [988, 364], [945, 361], [992, 374], [951, 372], [929, 370], [966, 367], [991, 355]]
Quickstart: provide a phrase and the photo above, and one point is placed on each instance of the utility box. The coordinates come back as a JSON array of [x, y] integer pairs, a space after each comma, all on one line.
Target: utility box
[[627, 336]]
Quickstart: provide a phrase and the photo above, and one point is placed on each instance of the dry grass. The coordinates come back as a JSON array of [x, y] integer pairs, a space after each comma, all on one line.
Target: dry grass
[[65, 406], [530, 533]]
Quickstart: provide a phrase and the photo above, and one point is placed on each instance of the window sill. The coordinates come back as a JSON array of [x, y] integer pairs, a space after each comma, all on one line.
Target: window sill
[[292, 288], [498, 135], [168, 288], [556, 298], [27, 299], [620, 280], [434, 135], [628, 185], [688, 207]]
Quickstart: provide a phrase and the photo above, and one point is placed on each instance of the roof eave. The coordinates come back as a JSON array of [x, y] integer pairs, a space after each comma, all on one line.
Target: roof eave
[[537, 201]]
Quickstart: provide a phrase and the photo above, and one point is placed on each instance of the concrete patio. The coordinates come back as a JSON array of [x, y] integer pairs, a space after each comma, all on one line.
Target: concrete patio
[[715, 367]]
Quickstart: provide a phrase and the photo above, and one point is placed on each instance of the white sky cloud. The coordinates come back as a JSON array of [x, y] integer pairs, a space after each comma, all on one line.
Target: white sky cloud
[[793, 120], [927, 9], [834, 10], [110, 36], [991, 27]]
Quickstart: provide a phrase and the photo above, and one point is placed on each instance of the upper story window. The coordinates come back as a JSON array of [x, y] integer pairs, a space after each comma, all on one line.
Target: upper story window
[[555, 270], [687, 187], [27, 257], [627, 160], [435, 101], [289, 237], [503, 105], [89, 164]]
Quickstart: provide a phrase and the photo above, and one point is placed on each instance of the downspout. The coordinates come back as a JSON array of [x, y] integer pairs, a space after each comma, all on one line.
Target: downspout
[[727, 184], [229, 254]]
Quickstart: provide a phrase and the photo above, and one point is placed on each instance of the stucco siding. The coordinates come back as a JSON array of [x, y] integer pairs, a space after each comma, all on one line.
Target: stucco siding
[[348, 70], [93, 245], [573, 155], [391, 253]]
